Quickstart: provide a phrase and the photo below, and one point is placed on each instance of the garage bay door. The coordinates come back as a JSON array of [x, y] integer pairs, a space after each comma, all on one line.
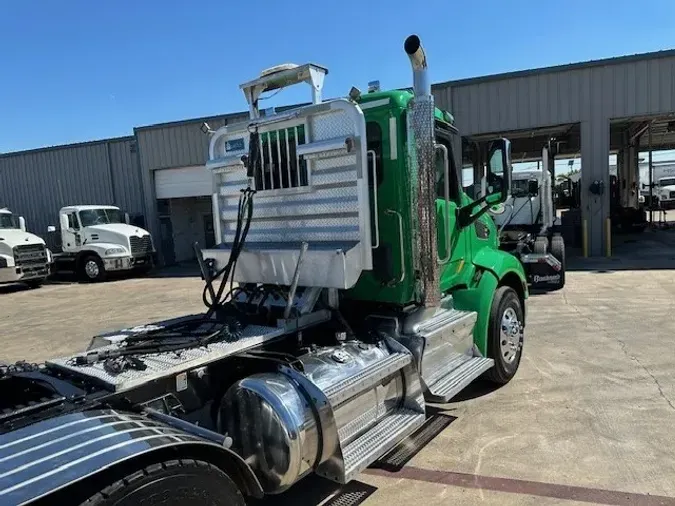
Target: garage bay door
[[183, 182]]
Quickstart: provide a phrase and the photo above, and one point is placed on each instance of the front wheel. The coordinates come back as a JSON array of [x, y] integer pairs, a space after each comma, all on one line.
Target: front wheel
[[35, 283], [505, 335], [92, 269], [171, 483]]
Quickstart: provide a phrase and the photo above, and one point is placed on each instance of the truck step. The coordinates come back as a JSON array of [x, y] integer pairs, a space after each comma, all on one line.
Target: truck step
[[453, 363], [366, 449], [455, 318], [457, 379], [367, 378]]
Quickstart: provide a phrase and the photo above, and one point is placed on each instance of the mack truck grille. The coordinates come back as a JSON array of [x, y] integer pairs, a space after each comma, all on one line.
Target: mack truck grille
[[30, 254], [141, 245]]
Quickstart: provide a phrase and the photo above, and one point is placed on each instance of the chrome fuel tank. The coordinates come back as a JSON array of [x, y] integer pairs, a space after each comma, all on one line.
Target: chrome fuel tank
[[274, 419], [330, 366]]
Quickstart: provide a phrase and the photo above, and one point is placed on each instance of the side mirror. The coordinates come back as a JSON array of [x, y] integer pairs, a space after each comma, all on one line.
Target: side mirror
[[63, 219], [532, 187], [50, 229], [498, 172], [22, 223], [126, 218]]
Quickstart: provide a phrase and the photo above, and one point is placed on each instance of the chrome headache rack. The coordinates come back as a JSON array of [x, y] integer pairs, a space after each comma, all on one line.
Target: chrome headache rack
[[311, 207]]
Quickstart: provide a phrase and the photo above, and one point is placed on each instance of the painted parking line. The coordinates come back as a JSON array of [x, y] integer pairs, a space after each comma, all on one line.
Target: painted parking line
[[535, 488]]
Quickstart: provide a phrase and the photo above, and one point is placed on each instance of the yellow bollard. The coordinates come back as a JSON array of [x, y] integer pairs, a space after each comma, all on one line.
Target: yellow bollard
[[608, 234], [584, 238]]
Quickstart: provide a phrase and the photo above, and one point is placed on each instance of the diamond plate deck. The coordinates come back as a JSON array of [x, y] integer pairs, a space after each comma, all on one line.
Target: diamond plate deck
[[161, 365]]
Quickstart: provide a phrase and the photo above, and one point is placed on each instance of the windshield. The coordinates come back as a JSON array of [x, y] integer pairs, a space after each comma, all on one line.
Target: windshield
[[8, 221], [101, 216], [520, 187], [667, 181]]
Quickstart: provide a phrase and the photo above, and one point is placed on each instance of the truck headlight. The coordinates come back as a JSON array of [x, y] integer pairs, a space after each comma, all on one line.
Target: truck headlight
[[115, 251]]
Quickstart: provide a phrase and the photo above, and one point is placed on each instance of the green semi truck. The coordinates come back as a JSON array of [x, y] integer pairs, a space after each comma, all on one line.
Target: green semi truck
[[353, 282]]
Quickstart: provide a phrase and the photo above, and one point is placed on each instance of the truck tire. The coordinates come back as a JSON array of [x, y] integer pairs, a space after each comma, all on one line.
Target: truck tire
[[171, 483], [558, 251], [35, 283], [505, 335], [147, 268], [92, 269], [540, 245]]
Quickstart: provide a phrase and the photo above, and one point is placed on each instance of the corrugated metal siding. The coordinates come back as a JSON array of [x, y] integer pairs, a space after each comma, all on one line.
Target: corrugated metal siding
[[554, 98], [36, 184], [178, 145], [126, 175]]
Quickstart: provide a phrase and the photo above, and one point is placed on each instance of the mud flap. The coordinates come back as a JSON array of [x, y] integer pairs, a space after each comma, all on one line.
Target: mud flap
[[544, 271]]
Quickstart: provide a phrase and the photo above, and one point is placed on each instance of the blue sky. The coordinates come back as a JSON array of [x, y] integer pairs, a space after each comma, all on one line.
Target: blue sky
[[80, 70]]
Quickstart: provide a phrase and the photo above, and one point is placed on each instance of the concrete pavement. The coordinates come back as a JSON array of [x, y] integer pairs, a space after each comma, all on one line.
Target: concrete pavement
[[589, 417]]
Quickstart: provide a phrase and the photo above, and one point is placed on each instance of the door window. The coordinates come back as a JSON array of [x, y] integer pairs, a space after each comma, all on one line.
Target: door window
[[440, 170], [72, 222]]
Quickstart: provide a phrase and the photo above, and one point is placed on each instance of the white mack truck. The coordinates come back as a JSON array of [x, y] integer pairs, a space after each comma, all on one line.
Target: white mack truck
[[24, 257], [93, 241]]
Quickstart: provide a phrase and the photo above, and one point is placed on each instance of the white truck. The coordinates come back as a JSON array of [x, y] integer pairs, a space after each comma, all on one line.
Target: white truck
[[665, 192], [95, 240], [24, 258], [529, 228]]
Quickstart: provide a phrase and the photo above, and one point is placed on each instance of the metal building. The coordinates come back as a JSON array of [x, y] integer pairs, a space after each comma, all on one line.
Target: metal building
[[37, 183], [619, 105], [177, 184], [595, 108]]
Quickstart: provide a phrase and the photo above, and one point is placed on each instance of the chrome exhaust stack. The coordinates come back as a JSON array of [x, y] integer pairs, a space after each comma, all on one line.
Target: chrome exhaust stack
[[422, 175], [418, 60]]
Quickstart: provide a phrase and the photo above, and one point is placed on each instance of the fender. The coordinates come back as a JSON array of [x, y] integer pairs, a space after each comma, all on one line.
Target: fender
[[500, 263], [498, 268], [50, 455], [85, 253]]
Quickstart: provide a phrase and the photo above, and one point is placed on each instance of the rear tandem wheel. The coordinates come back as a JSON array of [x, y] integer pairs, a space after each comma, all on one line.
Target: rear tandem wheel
[[171, 483], [558, 251]]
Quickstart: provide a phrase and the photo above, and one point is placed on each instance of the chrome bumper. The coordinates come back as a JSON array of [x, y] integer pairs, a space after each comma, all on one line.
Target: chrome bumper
[[15, 274], [127, 263], [118, 263]]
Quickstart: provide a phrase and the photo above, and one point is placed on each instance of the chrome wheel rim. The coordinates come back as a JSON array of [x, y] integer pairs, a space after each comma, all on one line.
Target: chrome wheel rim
[[510, 335], [91, 268]]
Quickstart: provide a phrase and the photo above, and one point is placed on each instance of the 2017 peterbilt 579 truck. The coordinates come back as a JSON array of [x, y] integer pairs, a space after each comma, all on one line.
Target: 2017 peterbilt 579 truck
[[24, 257], [95, 240], [368, 284]]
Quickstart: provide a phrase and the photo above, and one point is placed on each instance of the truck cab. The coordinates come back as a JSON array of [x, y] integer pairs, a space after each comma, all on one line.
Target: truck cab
[[95, 240], [666, 192], [24, 257]]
